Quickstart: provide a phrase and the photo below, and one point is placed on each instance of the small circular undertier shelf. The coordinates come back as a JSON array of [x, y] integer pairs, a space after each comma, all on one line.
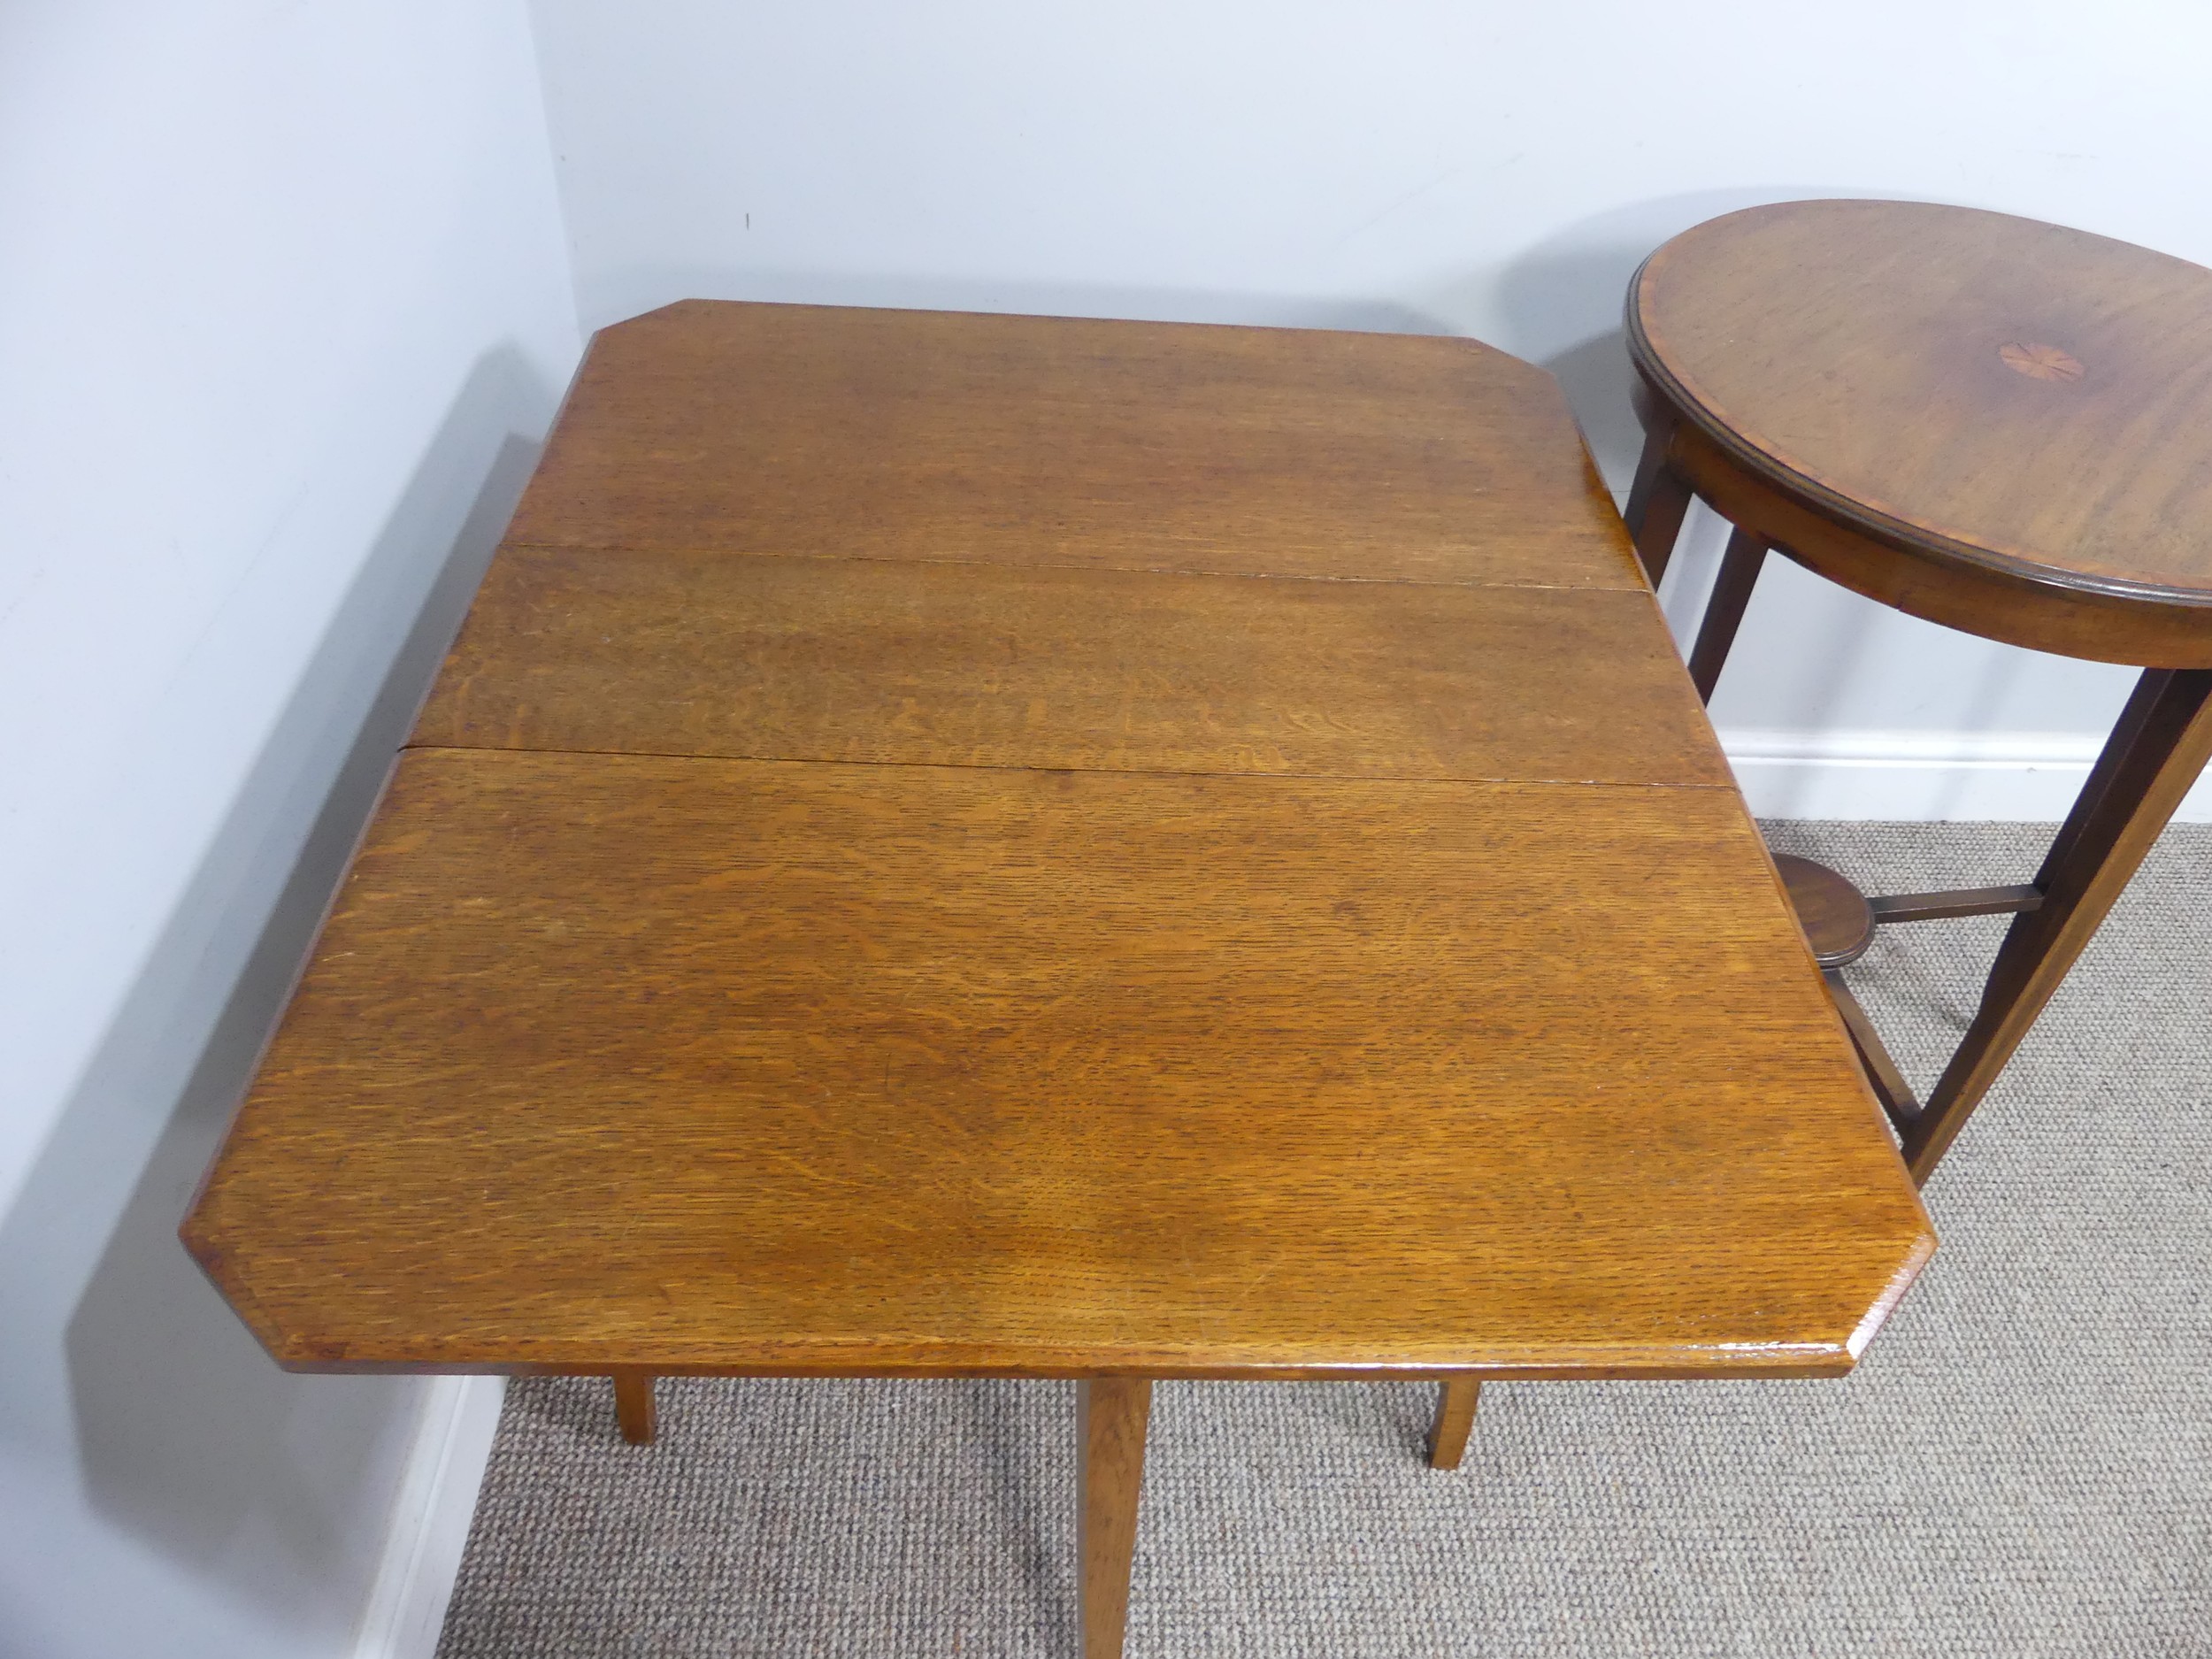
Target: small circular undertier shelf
[[1838, 923]]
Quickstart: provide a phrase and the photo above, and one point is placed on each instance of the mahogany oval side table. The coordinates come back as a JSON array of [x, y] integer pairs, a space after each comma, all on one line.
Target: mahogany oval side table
[[1997, 424]]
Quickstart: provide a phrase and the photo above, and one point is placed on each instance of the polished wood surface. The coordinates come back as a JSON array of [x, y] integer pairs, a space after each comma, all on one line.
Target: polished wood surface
[[1456, 1403], [2046, 391], [716, 1064], [764, 658], [1986, 422], [802, 430], [1174, 974], [1111, 1417], [1002, 846]]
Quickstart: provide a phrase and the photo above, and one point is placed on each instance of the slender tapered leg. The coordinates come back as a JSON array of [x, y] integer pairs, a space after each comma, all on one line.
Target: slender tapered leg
[[1890, 1087], [1656, 502], [1723, 611], [1455, 1421], [633, 1406], [1111, 1416], [2156, 753]]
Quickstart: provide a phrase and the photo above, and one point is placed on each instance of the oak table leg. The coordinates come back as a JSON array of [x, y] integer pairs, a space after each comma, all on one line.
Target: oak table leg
[[2154, 754], [633, 1406], [1723, 611], [1455, 1421], [1111, 1416], [1656, 503], [1890, 1087]]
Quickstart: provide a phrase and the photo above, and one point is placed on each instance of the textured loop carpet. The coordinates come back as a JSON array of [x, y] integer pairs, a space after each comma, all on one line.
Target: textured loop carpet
[[2022, 1465]]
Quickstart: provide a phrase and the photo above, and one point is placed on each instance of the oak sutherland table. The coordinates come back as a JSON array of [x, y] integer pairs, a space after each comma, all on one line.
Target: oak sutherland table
[[989, 846]]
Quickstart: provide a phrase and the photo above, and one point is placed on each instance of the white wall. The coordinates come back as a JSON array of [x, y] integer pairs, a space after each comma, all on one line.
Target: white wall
[[1480, 166], [283, 308]]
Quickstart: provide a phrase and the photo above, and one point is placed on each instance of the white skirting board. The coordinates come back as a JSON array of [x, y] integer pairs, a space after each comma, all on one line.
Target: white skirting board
[[430, 1518], [1944, 776]]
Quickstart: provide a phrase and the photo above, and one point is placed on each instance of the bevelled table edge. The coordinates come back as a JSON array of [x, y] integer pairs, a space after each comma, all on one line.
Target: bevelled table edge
[[2060, 619], [1592, 1361]]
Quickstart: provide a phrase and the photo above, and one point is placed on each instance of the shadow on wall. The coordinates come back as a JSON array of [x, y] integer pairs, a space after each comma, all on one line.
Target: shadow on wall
[[186, 1435]]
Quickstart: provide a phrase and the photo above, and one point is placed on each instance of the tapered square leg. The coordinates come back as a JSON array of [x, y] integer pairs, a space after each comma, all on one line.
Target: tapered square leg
[[2157, 750], [1455, 1421], [1657, 502], [1723, 610], [1112, 1413], [634, 1407]]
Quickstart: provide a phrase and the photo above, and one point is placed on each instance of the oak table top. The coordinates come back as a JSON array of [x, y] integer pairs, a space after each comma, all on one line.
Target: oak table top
[[960, 845]]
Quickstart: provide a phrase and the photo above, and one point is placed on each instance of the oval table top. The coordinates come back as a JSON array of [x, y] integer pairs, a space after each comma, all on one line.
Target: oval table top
[[1997, 391]]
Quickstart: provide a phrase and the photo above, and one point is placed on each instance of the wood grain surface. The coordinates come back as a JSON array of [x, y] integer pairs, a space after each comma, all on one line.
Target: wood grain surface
[[962, 845], [696, 1064], [2003, 392], [799, 429], [764, 657]]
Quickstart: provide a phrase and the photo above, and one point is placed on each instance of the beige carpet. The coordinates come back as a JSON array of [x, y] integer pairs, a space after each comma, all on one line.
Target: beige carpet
[[2022, 1466]]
